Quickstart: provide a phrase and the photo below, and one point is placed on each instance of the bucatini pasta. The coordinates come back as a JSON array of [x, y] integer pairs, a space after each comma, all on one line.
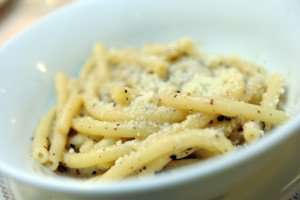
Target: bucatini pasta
[[137, 112]]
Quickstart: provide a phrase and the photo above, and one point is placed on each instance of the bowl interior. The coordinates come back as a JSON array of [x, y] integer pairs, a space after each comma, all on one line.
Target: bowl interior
[[267, 34]]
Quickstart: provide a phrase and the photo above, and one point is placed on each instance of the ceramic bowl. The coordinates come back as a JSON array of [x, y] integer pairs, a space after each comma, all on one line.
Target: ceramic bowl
[[266, 32]]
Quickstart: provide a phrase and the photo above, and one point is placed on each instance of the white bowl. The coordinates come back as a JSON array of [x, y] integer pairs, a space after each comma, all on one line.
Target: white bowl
[[266, 32]]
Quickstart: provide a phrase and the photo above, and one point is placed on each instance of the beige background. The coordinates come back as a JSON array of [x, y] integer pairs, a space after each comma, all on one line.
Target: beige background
[[16, 15]]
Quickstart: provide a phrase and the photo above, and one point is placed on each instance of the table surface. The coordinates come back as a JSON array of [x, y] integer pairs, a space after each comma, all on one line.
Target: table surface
[[16, 15]]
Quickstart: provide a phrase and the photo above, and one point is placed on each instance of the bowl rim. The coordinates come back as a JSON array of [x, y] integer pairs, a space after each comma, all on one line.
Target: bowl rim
[[208, 168]]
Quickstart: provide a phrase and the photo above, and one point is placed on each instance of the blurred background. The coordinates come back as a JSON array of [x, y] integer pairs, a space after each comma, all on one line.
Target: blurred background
[[16, 15]]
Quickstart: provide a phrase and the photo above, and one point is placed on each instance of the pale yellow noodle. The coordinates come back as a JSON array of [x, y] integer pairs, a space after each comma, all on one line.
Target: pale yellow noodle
[[77, 140], [172, 52], [182, 47], [155, 65], [209, 140], [121, 95], [130, 129], [245, 67], [87, 68], [99, 53], [71, 109], [159, 163], [252, 130], [151, 64], [99, 156], [154, 166], [225, 107], [57, 149], [61, 85], [87, 146], [105, 142], [98, 111], [40, 142], [274, 90], [192, 121]]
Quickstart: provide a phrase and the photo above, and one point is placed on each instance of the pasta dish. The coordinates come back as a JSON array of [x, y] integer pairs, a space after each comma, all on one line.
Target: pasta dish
[[140, 111]]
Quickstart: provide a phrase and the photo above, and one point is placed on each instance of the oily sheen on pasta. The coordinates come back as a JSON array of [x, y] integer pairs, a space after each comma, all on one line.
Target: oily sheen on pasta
[[140, 111]]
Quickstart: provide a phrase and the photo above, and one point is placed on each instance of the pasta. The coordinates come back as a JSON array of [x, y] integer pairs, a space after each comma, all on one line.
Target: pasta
[[40, 141], [70, 109], [105, 142], [86, 146], [270, 99], [154, 166], [57, 147], [204, 139], [224, 107], [99, 156], [105, 112], [89, 126], [138, 112], [61, 84]]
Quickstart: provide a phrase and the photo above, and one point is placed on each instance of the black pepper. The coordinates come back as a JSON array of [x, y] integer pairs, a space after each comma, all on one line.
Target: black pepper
[[221, 118], [263, 125], [74, 148], [240, 129], [62, 168], [72, 132], [77, 172], [173, 157]]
